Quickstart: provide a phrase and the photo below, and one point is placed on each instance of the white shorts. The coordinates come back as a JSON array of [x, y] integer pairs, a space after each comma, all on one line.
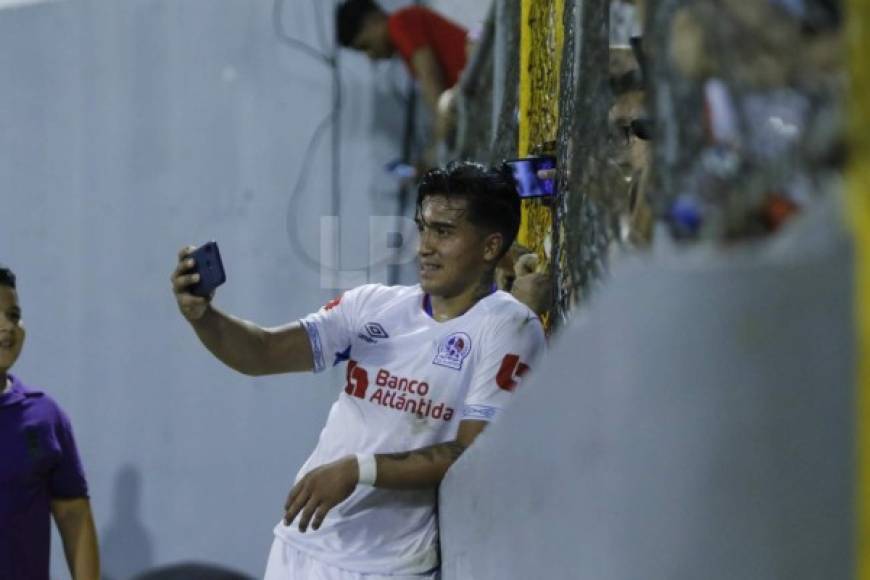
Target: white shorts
[[288, 563]]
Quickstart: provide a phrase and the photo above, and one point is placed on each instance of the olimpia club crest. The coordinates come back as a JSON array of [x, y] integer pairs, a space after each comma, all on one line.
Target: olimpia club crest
[[452, 350]]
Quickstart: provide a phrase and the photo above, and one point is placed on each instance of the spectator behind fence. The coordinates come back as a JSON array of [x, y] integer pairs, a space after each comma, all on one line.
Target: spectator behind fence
[[521, 273], [630, 132], [364, 504], [40, 471], [434, 49], [625, 169]]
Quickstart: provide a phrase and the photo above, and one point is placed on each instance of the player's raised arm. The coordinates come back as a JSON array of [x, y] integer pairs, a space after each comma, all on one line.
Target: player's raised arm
[[241, 345]]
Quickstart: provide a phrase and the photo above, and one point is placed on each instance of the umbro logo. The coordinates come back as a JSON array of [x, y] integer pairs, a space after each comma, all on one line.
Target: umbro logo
[[373, 332]]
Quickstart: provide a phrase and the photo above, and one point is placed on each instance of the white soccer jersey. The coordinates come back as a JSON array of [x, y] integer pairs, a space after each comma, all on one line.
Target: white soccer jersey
[[410, 380]]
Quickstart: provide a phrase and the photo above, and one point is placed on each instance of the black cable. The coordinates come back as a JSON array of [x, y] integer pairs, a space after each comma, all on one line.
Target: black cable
[[408, 143], [301, 181], [330, 120], [336, 116], [295, 43], [318, 15]]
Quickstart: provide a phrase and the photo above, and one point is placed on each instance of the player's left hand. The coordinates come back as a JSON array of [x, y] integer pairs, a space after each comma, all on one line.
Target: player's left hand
[[319, 491]]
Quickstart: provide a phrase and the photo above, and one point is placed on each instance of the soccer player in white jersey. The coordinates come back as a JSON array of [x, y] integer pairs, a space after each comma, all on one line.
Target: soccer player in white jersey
[[427, 368]]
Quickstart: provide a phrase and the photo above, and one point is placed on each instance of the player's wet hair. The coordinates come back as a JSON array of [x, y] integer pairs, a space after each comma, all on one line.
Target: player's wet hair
[[7, 277], [350, 17], [493, 198]]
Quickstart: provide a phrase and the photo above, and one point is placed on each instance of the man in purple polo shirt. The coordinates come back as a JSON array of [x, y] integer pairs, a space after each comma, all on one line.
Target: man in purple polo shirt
[[40, 471]]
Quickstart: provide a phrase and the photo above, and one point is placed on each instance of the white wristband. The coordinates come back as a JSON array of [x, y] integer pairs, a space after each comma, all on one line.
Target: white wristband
[[368, 468]]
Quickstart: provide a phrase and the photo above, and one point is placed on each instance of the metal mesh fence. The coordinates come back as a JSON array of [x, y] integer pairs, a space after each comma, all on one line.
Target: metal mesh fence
[[546, 91], [745, 104], [581, 229], [540, 59]]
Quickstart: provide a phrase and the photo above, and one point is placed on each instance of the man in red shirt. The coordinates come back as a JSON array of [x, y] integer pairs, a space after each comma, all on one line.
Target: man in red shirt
[[433, 48]]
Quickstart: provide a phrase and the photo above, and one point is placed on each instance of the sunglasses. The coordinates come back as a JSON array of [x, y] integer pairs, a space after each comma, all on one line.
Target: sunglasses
[[641, 128]]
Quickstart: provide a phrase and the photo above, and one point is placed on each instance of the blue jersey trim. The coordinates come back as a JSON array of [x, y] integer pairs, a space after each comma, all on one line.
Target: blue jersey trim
[[482, 412], [316, 345]]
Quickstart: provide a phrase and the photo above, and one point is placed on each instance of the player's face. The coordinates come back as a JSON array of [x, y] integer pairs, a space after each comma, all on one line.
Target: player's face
[[454, 254], [373, 39], [11, 329], [629, 152]]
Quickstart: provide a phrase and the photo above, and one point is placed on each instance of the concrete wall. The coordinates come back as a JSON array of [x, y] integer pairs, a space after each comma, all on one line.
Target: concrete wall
[[128, 129], [469, 13], [696, 422]]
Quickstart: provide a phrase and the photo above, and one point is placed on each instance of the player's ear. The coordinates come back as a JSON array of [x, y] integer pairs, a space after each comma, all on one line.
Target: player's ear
[[492, 246]]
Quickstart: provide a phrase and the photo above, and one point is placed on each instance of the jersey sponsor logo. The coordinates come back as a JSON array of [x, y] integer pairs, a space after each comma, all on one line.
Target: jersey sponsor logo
[[357, 380], [373, 332], [453, 350], [422, 407], [396, 393], [385, 379], [511, 369]]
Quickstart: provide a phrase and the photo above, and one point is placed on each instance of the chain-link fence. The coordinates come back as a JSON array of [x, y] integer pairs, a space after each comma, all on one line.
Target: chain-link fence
[[742, 100], [545, 92]]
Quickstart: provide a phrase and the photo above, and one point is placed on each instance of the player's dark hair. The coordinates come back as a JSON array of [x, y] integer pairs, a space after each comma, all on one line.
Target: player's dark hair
[[350, 17], [493, 198], [7, 277]]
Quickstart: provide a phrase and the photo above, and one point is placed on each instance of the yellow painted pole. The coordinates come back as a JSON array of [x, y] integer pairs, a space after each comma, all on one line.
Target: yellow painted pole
[[526, 81], [525, 77], [541, 41], [859, 212]]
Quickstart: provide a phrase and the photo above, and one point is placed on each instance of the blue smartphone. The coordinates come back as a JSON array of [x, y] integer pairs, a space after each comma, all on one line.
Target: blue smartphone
[[400, 169], [208, 264], [525, 172]]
